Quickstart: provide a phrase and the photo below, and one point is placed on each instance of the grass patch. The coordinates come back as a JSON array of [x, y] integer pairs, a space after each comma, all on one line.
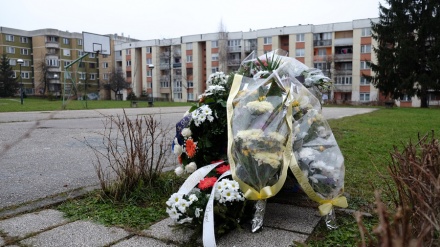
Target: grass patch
[[41, 104], [145, 207]]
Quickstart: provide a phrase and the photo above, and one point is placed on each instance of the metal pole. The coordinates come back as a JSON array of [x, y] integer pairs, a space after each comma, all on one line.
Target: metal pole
[[21, 87]]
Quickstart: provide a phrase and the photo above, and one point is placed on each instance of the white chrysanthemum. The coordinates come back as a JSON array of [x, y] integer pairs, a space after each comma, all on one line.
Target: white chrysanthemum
[[277, 137], [271, 159], [179, 171], [182, 205], [191, 167], [322, 132], [192, 198], [251, 134], [178, 149], [172, 212], [259, 107], [306, 153], [186, 132]]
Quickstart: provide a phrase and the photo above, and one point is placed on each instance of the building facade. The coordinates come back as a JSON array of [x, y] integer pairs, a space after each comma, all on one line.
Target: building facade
[[177, 69], [46, 53]]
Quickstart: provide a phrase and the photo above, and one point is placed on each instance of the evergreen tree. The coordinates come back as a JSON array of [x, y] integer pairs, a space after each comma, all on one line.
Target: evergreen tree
[[8, 84], [408, 51]]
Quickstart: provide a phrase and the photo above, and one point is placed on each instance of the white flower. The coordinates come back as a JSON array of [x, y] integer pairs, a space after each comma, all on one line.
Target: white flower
[[306, 153], [193, 198], [174, 198], [321, 131], [182, 205], [186, 132], [313, 179], [197, 212], [259, 107], [277, 137], [272, 159], [178, 149], [191, 167], [172, 212], [179, 171]]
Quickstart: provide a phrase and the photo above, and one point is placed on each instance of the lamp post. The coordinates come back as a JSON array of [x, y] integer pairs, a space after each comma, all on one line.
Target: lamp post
[[20, 62], [150, 102]]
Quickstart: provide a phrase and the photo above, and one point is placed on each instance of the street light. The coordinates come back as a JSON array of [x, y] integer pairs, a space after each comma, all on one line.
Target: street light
[[150, 102], [20, 62]]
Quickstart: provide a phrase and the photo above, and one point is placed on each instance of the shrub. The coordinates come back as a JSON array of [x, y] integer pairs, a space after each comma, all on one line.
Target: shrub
[[415, 192], [131, 96], [134, 154]]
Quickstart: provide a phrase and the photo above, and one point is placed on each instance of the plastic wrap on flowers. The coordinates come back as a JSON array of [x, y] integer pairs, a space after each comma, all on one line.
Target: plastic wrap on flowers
[[270, 99]]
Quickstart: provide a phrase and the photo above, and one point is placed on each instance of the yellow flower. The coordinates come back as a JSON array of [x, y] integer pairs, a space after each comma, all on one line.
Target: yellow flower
[[295, 103], [261, 98]]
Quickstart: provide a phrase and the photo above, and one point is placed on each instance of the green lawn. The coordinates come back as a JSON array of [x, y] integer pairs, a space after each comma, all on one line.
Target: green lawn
[[40, 104]]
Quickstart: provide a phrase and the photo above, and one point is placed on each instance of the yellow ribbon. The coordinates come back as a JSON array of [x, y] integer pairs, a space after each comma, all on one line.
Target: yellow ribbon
[[327, 205]]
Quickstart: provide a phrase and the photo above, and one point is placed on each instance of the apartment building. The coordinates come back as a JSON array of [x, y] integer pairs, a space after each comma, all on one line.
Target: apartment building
[[177, 69], [46, 53]]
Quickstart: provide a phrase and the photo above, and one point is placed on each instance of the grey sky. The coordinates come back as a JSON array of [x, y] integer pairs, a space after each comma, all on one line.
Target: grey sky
[[157, 19]]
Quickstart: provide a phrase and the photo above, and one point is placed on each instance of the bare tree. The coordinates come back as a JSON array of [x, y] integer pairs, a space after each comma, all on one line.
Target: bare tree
[[117, 82], [43, 79], [222, 47]]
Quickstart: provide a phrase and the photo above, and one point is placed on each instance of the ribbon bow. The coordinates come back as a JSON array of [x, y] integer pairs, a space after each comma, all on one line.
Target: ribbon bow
[[327, 205]]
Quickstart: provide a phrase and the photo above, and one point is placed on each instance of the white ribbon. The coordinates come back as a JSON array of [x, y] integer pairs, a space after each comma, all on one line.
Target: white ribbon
[[208, 222], [195, 178]]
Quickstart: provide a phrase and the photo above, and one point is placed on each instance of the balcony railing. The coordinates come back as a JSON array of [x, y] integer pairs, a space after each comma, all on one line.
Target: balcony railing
[[249, 48], [234, 62], [326, 42], [343, 57], [234, 48], [50, 44], [177, 65], [164, 66], [164, 78], [342, 88], [177, 77]]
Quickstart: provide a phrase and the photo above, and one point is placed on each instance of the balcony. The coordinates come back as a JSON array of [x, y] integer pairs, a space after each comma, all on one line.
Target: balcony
[[342, 71], [343, 57], [165, 55], [164, 66], [177, 77], [326, 42], [177, 65], [234, 62], [164, 78], [234, 48], [250, 48], [343, 41], [51, 44], [322, 58], [342, 88], [177, 89]]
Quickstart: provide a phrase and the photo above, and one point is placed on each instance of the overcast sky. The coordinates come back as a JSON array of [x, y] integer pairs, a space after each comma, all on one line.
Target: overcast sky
[[158, 19]]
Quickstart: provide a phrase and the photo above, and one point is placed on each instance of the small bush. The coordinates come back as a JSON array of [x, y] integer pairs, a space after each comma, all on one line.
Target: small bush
[[415, 192], [131, 96], [134, 154]]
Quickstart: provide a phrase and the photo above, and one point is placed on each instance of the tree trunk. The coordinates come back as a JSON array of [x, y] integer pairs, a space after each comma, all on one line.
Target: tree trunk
[[424, 98]]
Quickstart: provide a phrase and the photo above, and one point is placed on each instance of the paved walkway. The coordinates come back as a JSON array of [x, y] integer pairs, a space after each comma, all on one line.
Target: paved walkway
[[288, 219]]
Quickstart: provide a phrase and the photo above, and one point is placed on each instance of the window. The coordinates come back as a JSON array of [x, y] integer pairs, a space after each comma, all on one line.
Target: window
[[214, 44], [66, 63], [80, 42], [149, 61], [190, 96], [365, 48], [128, 63], [24, 39], [92, 65], [189, 46], [365, 65], [24, 51], [214, 56], [189, 58], [66, 52], [364, 96], [9, 37], [234, 42], [178, 95], [52, 39], [214, 69], [128, 74], [81, 75], [190, 84], [267, 40], [322, 36], [80, 53], [164, 84], [105, 76], [25, 75], [148, 72], [105, 65], [26, 63], [92, 76], [300, 52], [128, 52], [148, 49], [81, 65], [343, 80], [52, 62], [14, 75], [366, 31], [92, 55], [189, 71], [66, 41], [364, 81], [12, 62], [10, 50], [321, 66], [322, 52], [300, 37]]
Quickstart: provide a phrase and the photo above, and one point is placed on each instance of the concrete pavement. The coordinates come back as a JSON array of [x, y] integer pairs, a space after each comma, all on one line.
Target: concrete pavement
[[285, 221]]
